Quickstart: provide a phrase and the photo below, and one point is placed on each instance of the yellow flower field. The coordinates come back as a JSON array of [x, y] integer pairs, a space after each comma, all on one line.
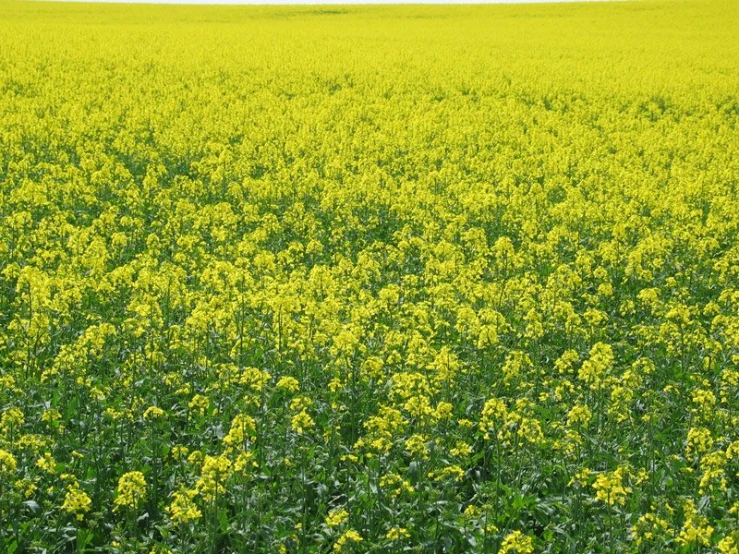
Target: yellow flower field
[[323, 279]]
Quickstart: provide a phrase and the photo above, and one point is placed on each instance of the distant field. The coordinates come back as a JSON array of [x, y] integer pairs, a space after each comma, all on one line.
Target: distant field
[[329, 2], [369, 279]]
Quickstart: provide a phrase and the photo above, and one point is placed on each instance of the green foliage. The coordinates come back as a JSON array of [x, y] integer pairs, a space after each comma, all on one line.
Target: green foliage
[[369, 279]]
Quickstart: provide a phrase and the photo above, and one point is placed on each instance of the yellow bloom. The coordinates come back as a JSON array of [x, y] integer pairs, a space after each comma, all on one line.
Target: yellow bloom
[[349, 537], [27, 486], [650, 527], [453, 472], [199, 404], [289, 384], [301, 422], [254, 379], [46, 463], [610, 488], [579, 416], [51, 416], [244, 461], [729, 545], [182, 509], [699, 442], [242, 429], [518, 543], [494, 414], [154, 412], [131, 490], [397, 534], [12, 418], [337, 517], [695, 529], [595, 369], [396, 484], [76, 501], [215, 471], [196, 457], [461, 449], [7, 462], [416, 446], [179, 451]]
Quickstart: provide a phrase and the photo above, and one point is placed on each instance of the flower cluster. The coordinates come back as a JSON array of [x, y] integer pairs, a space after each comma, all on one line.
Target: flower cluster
[[369, 280]]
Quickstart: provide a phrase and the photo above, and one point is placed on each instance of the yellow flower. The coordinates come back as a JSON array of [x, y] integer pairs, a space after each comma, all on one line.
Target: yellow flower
[[494, 414], [728, 545], [349, 537], [453, 472], [397, 534], [7, 462], [650, 527], [215, 471], [699, 442], [179, 451], [243, 461], [27, 486], [443, 411], [579, 416], [254, 379], [131, 490], [154, 412], [51, 416], [196, 457], [416, 446], [12, 418], [610, 488], [396, 484], [595, 369], [337, 517], [300, 403], [695, 529], [182, 509], [518, 543], [461, 449], [301, 422], [160, 550], [76, 501], [242, 429], [289, 384], [199, 404]]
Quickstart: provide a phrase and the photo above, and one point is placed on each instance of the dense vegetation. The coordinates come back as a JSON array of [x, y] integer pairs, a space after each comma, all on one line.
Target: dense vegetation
[[369, 279]]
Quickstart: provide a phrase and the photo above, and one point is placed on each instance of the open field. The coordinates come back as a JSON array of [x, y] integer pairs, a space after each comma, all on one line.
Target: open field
[[369, 279], [326, 2]]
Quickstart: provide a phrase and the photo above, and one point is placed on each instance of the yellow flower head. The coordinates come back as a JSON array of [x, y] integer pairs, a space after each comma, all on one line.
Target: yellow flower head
[[517, 543], [289, 384], [182, 509], [7, 462], [301, 422], [76, 501], [397, 534], [154, 412], [337, 517], [199, 404], [131, 490], [242, 429], [348, 538], [609, 487]]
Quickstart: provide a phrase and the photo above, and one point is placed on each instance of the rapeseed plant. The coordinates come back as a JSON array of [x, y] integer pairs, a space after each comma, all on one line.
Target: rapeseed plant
[[297, 279]]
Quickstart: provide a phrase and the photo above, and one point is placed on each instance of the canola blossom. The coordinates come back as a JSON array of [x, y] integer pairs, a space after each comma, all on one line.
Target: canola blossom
[[427, 279]]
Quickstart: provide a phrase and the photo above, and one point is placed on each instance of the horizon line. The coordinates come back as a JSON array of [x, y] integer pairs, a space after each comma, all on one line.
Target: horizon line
[[323, 2]]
